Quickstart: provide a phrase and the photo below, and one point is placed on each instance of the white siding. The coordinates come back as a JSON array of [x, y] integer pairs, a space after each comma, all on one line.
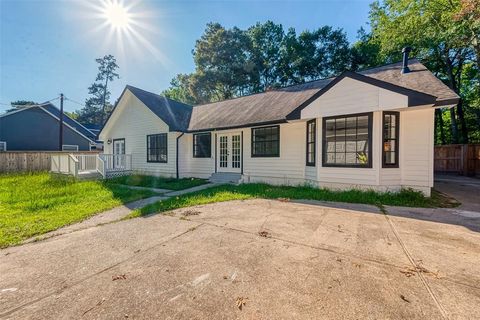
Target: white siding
[[289, 168], [353, 96], [194, 167], [133, 121], [416, 155]]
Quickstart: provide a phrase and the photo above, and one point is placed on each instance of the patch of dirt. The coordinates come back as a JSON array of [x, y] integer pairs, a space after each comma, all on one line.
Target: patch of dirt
[[283, 199], [188, 213]]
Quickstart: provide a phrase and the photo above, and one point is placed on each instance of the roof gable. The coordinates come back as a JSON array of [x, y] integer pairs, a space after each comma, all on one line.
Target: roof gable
[[175, 114]]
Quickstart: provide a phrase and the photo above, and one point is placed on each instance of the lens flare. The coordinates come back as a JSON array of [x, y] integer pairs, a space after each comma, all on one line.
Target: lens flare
[[117, 15]]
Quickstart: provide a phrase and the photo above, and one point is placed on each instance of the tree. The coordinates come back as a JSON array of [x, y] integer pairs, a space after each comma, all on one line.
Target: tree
[[98, 105], [234, 62], [20, 104], [365, 53], [430, 27], [265, 54]]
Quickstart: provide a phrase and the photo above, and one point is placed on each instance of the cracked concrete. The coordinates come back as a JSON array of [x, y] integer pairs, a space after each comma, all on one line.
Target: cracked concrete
[[320, 261]]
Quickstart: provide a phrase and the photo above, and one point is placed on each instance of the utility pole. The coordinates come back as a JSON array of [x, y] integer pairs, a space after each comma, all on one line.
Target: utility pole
[[60, 137]]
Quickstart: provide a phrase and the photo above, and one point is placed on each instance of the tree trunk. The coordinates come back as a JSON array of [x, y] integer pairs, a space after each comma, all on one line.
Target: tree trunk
[[441, 125], [104, 101], [463, 123], [453, 121]]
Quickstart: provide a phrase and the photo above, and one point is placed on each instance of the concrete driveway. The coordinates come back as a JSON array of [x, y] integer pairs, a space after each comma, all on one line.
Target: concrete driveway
[[276, 260]]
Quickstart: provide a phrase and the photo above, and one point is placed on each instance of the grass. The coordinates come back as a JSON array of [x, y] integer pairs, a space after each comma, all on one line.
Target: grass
[[222, 193], [35, 203], [159, 182]]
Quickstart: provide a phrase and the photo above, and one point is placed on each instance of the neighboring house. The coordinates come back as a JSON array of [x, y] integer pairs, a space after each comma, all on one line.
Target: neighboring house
[[369, 130], [37, 128]]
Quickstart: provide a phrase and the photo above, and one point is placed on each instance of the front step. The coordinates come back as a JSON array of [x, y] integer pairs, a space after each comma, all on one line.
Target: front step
[[89, 175], [225, 177]]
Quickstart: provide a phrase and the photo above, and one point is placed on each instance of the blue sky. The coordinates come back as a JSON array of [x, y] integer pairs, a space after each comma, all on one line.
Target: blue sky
[[48, 47]]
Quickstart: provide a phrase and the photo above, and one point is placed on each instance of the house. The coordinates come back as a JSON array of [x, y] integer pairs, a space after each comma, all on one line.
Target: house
[[37, 128], [368, 130]]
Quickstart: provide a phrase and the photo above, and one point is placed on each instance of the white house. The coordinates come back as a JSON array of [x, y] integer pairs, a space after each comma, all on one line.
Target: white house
[[370, 130]]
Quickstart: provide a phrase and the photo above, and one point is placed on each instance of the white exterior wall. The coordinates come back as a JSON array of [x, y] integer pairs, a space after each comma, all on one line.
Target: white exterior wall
[[133, 121], [189, 166], [416, 155]]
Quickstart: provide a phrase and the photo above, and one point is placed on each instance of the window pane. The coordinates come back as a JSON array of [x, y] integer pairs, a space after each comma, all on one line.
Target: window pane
[[346, 140], [390, 138], [265, 141]]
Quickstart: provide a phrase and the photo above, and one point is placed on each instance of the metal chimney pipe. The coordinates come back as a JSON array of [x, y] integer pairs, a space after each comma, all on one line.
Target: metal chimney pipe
[[405, 52]]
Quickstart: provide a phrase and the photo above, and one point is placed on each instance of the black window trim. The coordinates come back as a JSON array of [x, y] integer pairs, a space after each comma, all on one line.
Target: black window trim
[[314, 150], [273, 155], [193, 144], [166, 149], [370, 147], [397, 139]]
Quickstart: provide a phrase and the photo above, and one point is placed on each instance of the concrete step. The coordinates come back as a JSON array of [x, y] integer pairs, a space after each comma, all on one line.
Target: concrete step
[[225, 177]]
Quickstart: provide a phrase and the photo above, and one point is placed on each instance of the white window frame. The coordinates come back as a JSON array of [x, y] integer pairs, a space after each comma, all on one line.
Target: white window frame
[[4, 144], [69, 145]]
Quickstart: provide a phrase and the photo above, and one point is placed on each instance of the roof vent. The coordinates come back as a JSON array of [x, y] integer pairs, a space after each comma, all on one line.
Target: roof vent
[[406, 52]]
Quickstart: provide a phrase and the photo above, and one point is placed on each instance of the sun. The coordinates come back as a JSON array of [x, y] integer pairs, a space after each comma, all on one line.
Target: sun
[[117, 15]]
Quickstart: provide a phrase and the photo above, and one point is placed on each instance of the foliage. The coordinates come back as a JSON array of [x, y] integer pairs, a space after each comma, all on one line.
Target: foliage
[[222, 193], [98, 106], [444, 34], [20, 104], [158, 182], [234, 62], [35, 203]]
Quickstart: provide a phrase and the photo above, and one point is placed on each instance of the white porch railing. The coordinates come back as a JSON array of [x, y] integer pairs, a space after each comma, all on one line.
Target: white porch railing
[[90, 163], [64, 163], [117, 162]]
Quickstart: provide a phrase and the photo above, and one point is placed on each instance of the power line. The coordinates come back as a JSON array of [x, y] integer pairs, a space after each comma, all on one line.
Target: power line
[[29, 105], [76, 102]]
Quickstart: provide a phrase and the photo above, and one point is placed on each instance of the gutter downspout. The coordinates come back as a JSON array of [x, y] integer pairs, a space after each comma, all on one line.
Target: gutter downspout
[[176, 158]]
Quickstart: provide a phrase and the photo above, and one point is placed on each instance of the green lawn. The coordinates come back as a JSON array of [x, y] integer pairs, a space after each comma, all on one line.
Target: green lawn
[[158, 182], [250, 191], [35, 203]]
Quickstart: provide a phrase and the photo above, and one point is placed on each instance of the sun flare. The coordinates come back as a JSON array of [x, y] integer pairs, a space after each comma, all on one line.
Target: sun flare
[[117, 15]]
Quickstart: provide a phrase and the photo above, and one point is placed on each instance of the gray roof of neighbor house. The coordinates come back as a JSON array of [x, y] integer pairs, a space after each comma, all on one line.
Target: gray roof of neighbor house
[[283, 104], [71, 122], [175, 114]]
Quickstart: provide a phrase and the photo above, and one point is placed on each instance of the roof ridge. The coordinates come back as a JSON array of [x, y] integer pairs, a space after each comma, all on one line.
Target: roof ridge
[[306, 82], [158, 95]]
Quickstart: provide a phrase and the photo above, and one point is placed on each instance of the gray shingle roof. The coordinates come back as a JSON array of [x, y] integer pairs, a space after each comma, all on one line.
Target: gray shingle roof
[[175, 114], [279, 104], [419, 79]]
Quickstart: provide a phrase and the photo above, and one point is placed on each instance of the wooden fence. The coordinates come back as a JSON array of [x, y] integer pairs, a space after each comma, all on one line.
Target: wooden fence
[[17, 161], [461, 159]]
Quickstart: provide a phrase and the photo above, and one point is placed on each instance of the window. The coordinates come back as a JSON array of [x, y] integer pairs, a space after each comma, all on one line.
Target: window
[[311, 140], [202, 145], [391, 122], [3, 146], [69, 147], [157, 147], [266, 141], [347, 141]]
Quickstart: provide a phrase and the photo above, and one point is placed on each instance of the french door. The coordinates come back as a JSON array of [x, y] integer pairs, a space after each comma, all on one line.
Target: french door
[[229, 146], [119, 153]]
